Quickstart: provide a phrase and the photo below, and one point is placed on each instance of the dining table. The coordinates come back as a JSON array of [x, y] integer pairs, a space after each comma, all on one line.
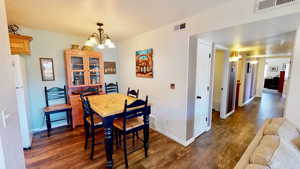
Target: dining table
[[109, 107]]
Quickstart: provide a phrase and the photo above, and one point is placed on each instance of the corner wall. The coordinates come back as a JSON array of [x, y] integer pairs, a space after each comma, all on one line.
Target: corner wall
[[172, 111], [51, 44], [292, 105], [170, 66]]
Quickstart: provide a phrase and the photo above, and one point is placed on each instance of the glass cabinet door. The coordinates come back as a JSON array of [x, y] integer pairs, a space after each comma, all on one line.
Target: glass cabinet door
[[77, 66], [78, 78], [77, 63], [94, 77], [94, 64], [94, 67]]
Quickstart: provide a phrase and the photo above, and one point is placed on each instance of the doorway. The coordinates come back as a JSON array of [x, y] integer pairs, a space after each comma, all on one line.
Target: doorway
[[224, 83], [276, 75]]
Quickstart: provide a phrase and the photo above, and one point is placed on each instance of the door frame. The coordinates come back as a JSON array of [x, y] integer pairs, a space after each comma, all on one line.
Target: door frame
[[225, 81]]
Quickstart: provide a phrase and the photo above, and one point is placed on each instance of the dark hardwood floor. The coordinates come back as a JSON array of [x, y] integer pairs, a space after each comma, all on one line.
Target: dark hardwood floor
[[220, 148]]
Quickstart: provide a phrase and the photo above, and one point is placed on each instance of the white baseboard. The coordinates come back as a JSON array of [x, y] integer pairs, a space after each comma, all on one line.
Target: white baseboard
[[191, 140], [227, 115], [178, 140], [44, 128], [248, 101]]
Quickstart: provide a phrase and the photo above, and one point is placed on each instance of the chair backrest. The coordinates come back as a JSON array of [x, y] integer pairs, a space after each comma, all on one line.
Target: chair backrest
[[87, 111], [133, 93], [112, 88], [135, 109], [55, 93]]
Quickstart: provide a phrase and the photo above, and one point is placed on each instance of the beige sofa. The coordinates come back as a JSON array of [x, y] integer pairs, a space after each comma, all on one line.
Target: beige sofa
[[276, 146]]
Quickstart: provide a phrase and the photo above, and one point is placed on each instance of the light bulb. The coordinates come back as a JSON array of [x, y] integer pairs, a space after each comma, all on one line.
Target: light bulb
[[93, 40], [100, 46], [111, 45], [88, 43], [107, 42]]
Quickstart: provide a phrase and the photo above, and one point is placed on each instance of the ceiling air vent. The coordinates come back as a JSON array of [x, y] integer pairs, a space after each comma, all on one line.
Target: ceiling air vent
[[269, 4], [180, 27], [281, 2]]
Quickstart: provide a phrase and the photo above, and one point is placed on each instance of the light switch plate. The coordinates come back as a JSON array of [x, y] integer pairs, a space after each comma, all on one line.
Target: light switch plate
[[172, 86], [5, 116]]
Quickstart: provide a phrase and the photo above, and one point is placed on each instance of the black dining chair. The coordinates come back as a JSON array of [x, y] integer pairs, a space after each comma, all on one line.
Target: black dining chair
[[133, 93], [91, 122], [56, 94], [134, 118], [111, 88]]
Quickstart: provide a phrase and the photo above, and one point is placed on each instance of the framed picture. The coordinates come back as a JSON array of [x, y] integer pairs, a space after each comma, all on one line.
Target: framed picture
[[47, 69], [274, 69], [109, 67], [144, 63]]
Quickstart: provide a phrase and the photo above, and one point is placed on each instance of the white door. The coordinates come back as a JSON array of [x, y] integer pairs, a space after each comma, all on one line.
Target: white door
[[203, 73]]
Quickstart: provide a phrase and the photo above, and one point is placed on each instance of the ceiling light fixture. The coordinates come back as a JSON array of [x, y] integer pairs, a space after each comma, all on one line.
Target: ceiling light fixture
[[101, 40], [253, 62], [235, 56]]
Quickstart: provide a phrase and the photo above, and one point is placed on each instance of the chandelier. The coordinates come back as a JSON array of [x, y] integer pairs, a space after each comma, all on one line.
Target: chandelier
[[100, 40]]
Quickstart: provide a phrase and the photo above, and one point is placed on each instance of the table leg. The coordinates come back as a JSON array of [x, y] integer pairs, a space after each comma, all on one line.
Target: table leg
[[108, 128]]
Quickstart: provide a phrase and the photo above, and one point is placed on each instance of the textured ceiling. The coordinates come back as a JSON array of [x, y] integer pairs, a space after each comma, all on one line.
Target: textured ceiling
[[121, 18]]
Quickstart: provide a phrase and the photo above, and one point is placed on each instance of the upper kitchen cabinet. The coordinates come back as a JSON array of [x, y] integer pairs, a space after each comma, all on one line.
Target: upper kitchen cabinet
[[20, 44]]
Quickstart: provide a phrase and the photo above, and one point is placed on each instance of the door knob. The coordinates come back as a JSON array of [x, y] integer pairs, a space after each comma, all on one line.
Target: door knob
[[199, 97]]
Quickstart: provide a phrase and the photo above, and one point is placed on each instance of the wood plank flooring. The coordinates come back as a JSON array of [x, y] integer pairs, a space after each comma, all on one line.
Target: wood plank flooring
[[220, 148]]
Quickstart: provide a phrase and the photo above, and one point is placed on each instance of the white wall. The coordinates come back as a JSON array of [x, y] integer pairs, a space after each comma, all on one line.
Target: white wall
[[292, 105], [171, 61], [45, 44], [51, 44], [170, 66], [260, 77], [11, 151], [110, 55]]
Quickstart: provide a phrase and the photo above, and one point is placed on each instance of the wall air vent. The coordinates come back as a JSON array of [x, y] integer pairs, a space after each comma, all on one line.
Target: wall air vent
[[270, 4], [180, 27]]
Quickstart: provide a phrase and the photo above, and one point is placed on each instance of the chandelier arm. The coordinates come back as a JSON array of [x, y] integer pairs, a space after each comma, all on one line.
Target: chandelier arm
[[106, 36], [100, 37]]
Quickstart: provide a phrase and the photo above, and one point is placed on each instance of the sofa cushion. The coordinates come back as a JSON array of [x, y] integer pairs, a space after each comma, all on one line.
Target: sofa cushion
[[288, 131], [256, 166], [296, 142], [264, 151], [286, 156], [273, 126]]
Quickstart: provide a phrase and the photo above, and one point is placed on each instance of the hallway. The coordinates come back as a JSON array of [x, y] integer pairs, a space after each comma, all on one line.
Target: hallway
[[220, 148], [232, 136]]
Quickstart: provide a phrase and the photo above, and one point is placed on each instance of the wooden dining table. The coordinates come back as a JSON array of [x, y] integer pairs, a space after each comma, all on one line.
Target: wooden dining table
[[110, 107]]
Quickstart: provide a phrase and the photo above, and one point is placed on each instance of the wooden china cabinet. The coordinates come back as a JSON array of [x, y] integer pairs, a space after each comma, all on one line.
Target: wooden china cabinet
[[85, 69]]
